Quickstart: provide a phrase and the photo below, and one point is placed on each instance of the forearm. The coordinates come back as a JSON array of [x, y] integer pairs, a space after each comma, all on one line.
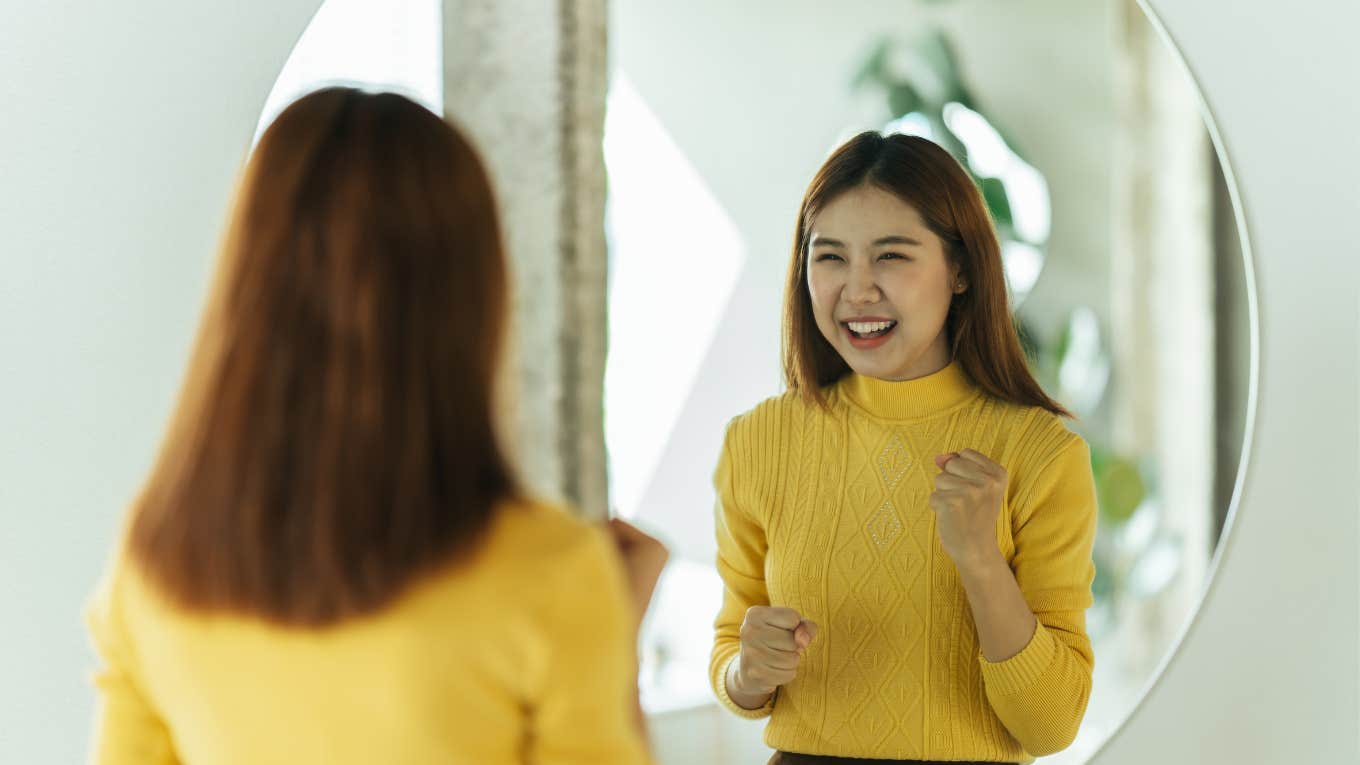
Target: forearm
[[1005, 624], [743, 698]]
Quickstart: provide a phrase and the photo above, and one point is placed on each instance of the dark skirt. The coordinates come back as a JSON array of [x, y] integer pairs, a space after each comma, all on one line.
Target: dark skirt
[[790, 758]]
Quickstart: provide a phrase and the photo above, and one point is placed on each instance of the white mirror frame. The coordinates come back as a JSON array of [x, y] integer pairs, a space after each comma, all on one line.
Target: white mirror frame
[[1267, 669]]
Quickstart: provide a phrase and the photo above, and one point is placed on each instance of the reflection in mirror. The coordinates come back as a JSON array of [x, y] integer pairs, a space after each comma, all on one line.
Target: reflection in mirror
[[1120, 246], [394, 46]]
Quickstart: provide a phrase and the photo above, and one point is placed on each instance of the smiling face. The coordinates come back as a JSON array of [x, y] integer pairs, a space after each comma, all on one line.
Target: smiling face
[[880, 284]]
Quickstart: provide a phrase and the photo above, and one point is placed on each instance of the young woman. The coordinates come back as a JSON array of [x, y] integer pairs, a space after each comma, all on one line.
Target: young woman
[[905, 535], [331, 561]]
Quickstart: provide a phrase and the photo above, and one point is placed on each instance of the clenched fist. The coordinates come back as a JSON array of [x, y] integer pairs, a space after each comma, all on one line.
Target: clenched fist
[[967, 501], [773, 640]]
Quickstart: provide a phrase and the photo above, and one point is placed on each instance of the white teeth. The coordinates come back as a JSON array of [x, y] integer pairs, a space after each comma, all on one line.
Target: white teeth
[[864, 328]]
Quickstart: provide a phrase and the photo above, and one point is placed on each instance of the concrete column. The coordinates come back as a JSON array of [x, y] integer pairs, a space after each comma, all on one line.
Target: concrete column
[[527, 80]]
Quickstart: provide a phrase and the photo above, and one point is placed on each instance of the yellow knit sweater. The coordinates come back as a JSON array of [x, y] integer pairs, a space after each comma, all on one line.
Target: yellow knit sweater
[[524, 653], [826, 512]]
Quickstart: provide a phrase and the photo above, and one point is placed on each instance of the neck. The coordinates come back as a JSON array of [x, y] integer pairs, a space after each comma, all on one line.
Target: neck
[[918, 397]]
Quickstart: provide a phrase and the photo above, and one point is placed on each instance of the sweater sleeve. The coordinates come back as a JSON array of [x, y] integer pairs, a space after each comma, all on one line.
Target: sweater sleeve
[[741, 564], [586, 709], [1040, 694], [128, 729]]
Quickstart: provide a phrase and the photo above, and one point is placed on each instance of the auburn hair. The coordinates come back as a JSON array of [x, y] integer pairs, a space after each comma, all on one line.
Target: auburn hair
[[981, 331], [334, 437]]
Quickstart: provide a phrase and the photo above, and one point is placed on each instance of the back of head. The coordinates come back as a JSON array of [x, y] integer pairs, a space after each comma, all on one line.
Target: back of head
[[334, 438]]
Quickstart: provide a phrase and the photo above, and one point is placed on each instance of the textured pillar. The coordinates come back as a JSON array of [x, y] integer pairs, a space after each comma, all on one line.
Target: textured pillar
[[527, 80]]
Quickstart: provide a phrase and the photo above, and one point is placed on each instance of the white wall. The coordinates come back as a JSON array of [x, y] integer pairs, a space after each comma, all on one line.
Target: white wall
[[121, 133], [121, 129]]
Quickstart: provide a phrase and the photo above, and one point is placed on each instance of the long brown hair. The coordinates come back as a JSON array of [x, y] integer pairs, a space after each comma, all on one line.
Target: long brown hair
[[334, 437], [981, 331]]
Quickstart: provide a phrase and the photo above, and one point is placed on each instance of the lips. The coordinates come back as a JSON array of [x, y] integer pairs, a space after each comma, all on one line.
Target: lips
[[869, 327], [869, 332]]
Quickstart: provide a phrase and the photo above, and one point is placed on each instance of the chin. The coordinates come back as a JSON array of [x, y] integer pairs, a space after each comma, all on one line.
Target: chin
[[870, 368]]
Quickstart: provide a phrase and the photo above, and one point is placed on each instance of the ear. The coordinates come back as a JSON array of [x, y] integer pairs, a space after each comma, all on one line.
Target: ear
[[957, 283]]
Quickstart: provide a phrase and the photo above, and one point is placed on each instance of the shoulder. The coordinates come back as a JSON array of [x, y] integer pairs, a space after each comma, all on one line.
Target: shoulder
[[757, 441], [769, 412], [1031, 439], [539, 536], [1041, 447], [547, 583], [1032, 433], [102, 609], [536, 559], [565, 570], [777, 420]]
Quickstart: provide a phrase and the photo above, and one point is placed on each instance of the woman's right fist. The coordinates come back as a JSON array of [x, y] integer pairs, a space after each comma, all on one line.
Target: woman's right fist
[[773, 640]]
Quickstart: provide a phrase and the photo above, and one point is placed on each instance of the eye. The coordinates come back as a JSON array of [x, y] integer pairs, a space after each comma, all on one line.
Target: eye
[[821, 256], [893, 256]]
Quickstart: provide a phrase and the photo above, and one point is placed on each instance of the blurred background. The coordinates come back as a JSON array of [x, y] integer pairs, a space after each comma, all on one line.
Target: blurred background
[[1121, 249]]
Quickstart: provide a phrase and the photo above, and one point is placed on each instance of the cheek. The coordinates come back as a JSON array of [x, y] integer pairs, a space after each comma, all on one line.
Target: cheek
[[823, 294], [908, 291]]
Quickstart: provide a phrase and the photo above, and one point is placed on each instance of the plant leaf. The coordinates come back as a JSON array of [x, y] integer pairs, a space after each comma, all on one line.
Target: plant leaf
[[994, 193]]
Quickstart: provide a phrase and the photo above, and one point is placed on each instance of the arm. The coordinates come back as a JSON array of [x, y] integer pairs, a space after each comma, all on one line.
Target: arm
[[741, 564], [1031, 615], [1005, 624], [587, 709], [128, 730]]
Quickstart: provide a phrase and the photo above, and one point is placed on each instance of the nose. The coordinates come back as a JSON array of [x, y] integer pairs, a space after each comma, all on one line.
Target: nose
[[860, 286]]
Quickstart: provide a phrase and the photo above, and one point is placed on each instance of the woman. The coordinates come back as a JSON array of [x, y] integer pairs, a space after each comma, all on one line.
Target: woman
[[331, 561], [905, 535]]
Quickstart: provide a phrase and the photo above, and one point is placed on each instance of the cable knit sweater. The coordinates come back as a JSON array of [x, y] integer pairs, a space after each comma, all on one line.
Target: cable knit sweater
[[826, 512]]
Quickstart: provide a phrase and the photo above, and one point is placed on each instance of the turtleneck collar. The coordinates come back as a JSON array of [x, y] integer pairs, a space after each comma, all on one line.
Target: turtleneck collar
[[910, 399]]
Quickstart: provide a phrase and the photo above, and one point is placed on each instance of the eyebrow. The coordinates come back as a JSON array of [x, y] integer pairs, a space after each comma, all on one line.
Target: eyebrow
[[829, 242]]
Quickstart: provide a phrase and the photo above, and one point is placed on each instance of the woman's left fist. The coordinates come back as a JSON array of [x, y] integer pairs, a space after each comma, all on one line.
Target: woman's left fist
[[967, 501]]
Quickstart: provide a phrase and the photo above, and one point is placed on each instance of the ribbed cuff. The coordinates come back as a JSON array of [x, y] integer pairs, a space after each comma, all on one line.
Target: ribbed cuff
[[1021, 671], [720, 686]]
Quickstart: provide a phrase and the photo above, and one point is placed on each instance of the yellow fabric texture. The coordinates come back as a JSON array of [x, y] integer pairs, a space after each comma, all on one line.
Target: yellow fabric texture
[[825, 512], [523, 653]]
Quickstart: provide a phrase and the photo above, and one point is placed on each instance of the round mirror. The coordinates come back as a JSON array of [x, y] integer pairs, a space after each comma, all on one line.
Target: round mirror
[[1126, 266], [1122, 250]]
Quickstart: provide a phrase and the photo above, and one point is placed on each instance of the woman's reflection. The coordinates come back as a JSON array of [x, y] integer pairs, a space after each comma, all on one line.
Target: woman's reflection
[[905, 535]]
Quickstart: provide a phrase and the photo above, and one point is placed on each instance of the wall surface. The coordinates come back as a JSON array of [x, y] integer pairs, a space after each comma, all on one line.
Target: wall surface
[[121, 135]]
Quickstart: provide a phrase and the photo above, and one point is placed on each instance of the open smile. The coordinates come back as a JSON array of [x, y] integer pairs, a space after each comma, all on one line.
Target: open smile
[[868, 333]]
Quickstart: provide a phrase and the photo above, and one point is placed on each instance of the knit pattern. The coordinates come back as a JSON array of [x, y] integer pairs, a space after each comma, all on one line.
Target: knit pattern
[[825, 512]]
